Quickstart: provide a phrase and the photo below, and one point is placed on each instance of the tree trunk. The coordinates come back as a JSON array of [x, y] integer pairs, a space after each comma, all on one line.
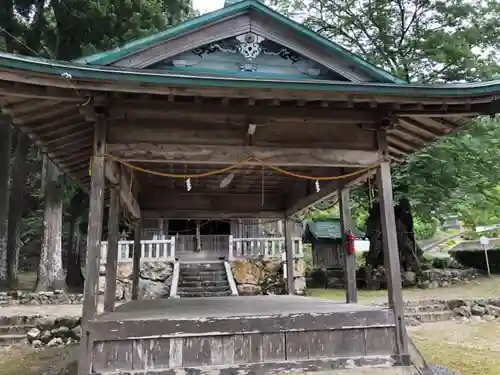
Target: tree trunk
[[16, 208], [74, 276], [409, 251], [50, 269], [5, 139]]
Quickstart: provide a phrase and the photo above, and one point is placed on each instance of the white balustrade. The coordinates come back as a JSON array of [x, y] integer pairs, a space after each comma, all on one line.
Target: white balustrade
[[268, 247], [151, 250]]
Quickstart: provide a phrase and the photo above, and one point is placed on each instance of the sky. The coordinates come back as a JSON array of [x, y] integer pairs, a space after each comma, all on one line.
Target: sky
[[205, 6]]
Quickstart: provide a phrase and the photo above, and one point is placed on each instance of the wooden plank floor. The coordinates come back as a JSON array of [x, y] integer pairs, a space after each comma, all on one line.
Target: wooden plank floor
[[243, 306], [247, 335]]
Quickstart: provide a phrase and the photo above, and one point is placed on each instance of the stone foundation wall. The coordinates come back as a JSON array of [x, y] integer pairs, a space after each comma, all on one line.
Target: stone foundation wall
[[53, 332], [154, 283], [486, 309], [58, 297], [265, 276], [428, 279]]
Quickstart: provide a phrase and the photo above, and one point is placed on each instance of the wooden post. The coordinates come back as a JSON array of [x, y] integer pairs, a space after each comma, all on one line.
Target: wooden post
[[198, 236], [136, 261], [349, 259], [112, 255], [289, 256], [94, 234], [391, 255]]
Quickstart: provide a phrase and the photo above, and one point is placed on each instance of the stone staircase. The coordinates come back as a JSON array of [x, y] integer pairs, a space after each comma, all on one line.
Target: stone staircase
[[13, 329], [203, 280], [430, 310], [426, 311]]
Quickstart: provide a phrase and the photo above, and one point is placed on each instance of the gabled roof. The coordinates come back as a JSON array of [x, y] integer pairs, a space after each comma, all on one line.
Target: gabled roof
[[108, 57], [327, 229]]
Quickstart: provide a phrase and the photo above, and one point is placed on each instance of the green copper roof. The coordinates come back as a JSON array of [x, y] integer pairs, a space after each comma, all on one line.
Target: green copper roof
[[329, 229], [108, 57], [125, 76]]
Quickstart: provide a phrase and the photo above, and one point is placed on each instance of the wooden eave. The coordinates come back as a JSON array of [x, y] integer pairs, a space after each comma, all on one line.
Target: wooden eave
[[56, 112]]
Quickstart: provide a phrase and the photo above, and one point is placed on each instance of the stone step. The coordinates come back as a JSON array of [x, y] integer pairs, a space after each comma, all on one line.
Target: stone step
[[428, 317], [12, 339], [206, 266], [15, 329], [425, 308], [202, 277], [198, 272], [202, 283], [421, 302], [204, 294], [211, 289]]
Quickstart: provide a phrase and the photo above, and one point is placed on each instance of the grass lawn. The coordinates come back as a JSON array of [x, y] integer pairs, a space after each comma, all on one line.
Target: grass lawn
[[482, 287], [469, 348], [27, 361]]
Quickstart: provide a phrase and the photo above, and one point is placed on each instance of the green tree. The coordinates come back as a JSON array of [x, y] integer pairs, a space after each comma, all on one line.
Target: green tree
[[424, 41], [417, 40], [64, 30]]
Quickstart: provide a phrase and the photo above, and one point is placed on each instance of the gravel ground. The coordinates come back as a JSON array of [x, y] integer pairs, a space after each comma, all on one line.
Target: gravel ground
[[437, 370]]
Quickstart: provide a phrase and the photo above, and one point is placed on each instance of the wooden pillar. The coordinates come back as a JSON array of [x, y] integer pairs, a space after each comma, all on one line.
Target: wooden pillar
[[112, 255], [136, 271], [198, 236], [94, 234], [289, 256], [349, 259], [390, 247]]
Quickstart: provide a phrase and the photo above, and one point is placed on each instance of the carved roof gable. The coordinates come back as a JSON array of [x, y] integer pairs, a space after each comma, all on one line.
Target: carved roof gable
[[245, 19], [249, 54]]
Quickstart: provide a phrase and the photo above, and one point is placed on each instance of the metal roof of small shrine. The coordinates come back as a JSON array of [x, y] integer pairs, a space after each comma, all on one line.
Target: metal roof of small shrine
[[327, 229]]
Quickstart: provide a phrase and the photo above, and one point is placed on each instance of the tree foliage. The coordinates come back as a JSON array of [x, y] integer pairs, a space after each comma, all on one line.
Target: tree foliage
[[417, 40], [65, 30], [426, 41]]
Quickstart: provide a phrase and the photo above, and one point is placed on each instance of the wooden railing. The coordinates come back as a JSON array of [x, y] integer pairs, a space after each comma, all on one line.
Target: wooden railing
[[237, 248], [151, 250], [268, 247], [208, 243]]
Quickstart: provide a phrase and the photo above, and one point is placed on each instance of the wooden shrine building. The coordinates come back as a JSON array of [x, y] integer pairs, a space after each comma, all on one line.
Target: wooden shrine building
[[237, 114]]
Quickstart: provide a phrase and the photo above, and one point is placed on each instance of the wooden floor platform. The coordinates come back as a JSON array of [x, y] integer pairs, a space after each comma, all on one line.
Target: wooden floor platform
[[243, 335]]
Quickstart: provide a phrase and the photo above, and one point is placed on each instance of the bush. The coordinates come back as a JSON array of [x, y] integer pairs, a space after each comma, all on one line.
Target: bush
[[476, 259], [441, 263], [317, 278]]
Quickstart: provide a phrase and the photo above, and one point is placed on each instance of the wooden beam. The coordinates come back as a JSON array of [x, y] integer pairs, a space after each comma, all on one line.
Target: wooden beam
[[112, 251], [136, 267], [290, 282], [115, 177], [31, 91], [390, 248], [152, 109], [227, 155], [27, 106], [94, 235], [155, 200], [308, 197], [209, 214], [346, 224]]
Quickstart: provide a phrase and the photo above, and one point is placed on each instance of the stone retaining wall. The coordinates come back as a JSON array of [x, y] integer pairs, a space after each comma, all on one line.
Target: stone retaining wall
[[265, 276], [154, 282], [428, 279], [53, 332], [487, 309], [58, 297]]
